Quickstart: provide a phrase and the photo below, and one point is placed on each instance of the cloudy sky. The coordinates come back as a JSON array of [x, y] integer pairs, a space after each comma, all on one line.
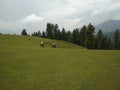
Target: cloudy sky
[[34, 14]]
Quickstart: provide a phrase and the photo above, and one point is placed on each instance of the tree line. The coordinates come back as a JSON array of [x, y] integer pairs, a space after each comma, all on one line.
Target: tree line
[[85, 36]]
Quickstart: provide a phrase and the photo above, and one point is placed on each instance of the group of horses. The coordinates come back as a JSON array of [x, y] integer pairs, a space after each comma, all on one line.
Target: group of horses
[[42, 44]]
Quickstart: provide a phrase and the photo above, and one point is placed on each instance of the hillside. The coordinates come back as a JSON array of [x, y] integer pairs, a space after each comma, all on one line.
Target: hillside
[[27, 41], [108, 26], [26, 66]]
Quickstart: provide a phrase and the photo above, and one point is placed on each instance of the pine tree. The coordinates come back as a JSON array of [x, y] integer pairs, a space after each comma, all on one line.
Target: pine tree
[[89, 41], [24, 32], [55, 31], [105, 43], [117, 39], [63, 34], [43, 34], [99, 38], [39, 33], [83, 35], [76, 36], [59, 36], [49, 30], [110, 44], [68, 34]]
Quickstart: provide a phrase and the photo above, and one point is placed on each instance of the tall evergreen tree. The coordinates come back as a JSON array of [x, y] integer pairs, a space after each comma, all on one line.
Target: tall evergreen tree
[[89, 42], [39, 33], [102, 41], [117, 39], [63, 34], [110, 44], [49, 30], [105, 43], [76, 36], [43, 34], [59, 36], [100, 37], [83, 35], [55, 31], [68, 34], [24, 32]]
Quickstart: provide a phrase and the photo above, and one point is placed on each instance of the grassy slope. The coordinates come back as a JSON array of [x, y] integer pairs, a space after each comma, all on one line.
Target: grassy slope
[[26, 66], [33, 42]]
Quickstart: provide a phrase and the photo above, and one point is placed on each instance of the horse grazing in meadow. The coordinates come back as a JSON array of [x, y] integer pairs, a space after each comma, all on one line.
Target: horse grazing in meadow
[[42, 44], [53, 45]]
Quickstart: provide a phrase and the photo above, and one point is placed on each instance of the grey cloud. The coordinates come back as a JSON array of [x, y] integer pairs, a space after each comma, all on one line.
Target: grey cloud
[[67, 13]]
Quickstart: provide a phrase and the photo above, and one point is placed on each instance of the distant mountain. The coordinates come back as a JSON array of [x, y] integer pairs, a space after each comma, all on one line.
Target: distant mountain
[[108, 26]]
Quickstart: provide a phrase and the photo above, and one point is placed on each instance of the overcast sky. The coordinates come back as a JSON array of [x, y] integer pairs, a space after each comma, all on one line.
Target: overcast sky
[[34, 14]]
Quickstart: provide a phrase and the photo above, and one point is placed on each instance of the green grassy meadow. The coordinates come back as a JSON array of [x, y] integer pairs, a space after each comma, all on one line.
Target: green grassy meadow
[[24, 65]]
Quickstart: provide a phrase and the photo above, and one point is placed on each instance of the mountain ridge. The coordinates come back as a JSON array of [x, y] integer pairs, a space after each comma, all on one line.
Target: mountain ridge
[[108, 26]]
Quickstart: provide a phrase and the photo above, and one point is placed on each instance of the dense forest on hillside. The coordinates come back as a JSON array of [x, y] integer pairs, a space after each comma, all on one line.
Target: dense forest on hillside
[[85, 36]]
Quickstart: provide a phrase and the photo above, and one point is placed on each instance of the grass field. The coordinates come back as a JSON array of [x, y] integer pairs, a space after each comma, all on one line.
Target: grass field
[[26, 66]]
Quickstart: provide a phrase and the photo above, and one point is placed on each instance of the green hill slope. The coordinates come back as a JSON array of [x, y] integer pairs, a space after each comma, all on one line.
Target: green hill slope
[[26, 66], [27, 41]]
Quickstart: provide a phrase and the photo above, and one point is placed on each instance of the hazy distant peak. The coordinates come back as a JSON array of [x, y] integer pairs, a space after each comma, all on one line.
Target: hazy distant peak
[[108, 26]]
